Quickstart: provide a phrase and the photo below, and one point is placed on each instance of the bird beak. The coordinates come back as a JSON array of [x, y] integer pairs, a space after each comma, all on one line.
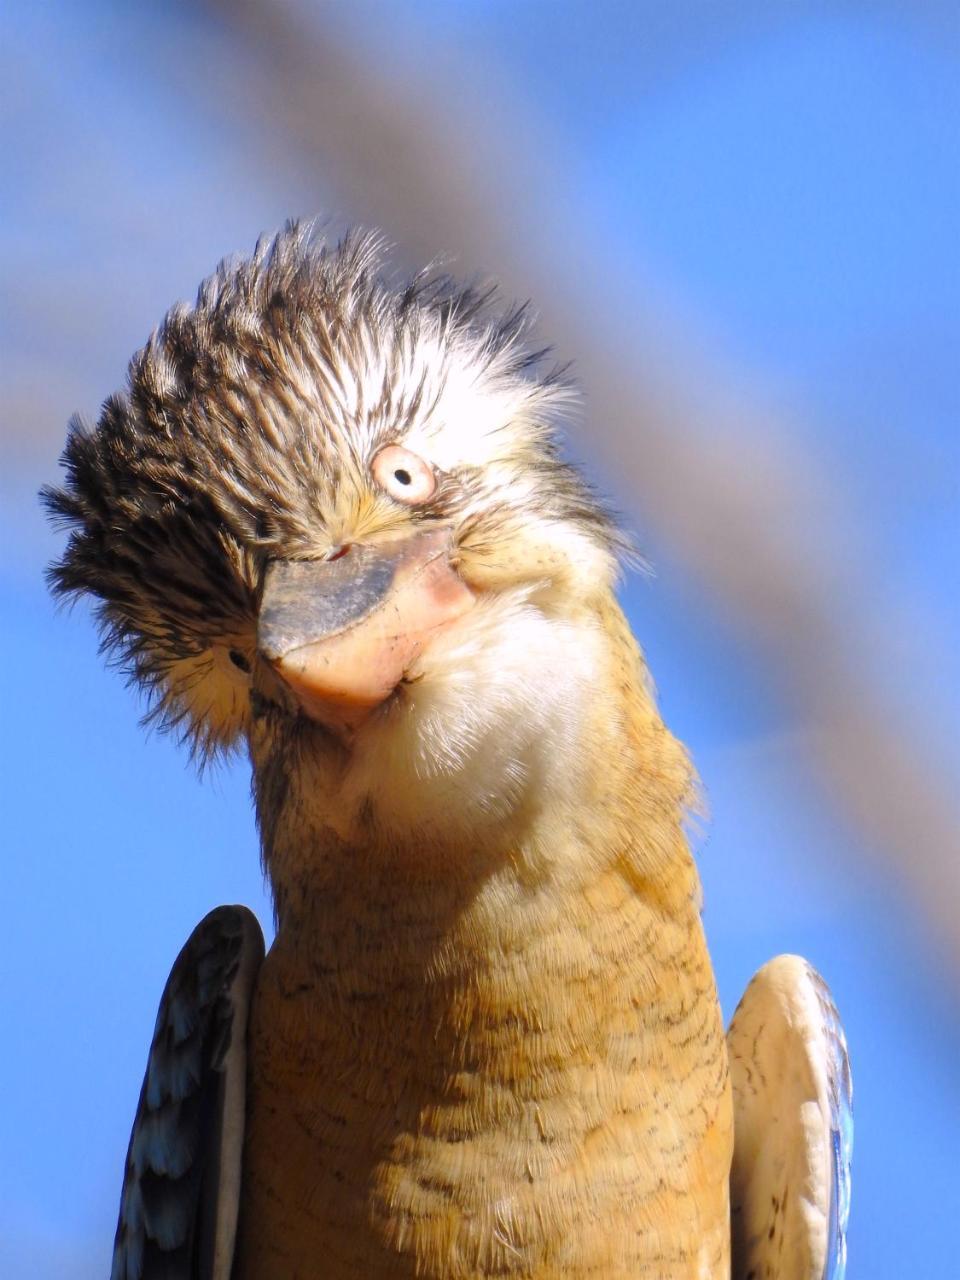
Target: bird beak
[[342, 632]]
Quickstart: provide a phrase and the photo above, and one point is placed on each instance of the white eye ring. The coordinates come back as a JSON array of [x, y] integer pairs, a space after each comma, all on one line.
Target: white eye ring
[[403, 475]]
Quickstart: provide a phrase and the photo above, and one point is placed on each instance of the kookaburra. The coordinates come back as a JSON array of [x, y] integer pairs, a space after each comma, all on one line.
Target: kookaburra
[[328, 521]]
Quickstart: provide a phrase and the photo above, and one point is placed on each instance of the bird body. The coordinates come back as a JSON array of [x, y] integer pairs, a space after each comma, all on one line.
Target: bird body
[[329, 521], [520, 1071]]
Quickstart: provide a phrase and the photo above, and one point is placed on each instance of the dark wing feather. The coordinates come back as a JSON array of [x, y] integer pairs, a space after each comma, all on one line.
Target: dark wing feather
[[181, 1184]]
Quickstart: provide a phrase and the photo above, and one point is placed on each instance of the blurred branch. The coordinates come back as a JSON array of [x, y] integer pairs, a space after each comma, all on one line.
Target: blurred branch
[[712, 476]]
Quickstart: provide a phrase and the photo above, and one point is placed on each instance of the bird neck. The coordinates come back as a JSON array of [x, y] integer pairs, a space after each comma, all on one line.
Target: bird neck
[[594, 845]]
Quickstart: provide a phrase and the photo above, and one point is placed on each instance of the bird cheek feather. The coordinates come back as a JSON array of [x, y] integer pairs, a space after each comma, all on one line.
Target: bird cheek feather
[[209, 696], [568, 564]]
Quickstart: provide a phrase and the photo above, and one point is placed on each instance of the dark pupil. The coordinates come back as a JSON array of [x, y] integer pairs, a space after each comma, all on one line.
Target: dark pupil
[[403, 476], [239, 660]]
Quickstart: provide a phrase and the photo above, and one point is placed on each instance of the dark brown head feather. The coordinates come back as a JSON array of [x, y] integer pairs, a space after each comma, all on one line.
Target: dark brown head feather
[[241, 421]]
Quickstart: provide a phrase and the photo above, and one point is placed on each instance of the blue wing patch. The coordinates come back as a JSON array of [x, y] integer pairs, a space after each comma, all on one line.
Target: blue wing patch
[[841, 1135]]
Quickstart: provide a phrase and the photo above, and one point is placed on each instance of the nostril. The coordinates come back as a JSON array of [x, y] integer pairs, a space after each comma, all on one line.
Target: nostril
[[335, 553]]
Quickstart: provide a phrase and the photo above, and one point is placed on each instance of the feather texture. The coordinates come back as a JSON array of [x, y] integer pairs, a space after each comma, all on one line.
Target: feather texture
[[181, 1185], [793, 1125], [245, 434]]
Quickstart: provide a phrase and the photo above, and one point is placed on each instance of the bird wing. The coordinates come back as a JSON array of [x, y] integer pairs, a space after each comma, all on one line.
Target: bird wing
[[181, 1184], [793, 1126]]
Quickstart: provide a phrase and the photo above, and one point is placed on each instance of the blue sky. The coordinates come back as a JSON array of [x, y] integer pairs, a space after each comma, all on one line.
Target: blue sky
[[785, 180]]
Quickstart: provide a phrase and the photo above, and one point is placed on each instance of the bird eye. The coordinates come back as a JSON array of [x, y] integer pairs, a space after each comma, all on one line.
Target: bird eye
[[403, 475], [239, 660]]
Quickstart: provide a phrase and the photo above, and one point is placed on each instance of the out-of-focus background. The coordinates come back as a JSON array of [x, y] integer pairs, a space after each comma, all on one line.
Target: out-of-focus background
[[740, 222]]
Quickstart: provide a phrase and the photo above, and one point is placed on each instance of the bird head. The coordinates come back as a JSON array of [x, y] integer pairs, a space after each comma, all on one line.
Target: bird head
[[328, 517]]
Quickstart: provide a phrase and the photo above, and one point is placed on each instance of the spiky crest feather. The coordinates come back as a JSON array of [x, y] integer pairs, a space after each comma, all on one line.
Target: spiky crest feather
[[245, 433]]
